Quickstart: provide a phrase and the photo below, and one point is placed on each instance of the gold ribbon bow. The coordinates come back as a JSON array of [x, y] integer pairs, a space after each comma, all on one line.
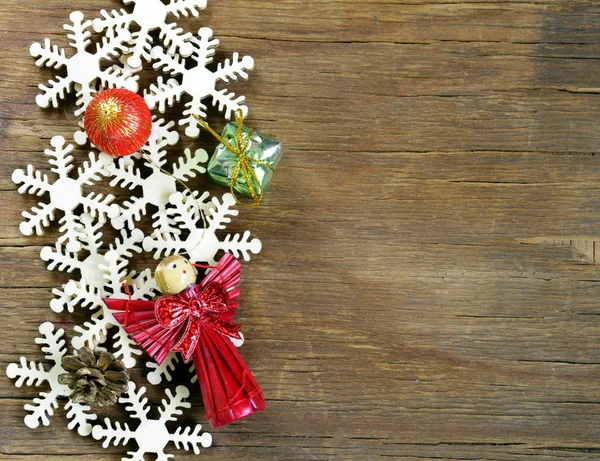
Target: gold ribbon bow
[[244, 163]]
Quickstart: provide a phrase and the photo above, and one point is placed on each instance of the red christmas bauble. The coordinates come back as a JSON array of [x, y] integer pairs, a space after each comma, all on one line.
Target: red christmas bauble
[[118, 121]]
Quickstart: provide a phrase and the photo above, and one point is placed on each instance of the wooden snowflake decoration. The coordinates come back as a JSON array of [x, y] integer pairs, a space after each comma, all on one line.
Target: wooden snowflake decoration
[[84, 69], [65, 194], [36, 374], [197, 82], [152, 436], [154, 188]]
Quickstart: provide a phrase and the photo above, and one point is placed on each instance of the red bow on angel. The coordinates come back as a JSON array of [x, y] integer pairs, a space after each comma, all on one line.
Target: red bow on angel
[[196, 320]]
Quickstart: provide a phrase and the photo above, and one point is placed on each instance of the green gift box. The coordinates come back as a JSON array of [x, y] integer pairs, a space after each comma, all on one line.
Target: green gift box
[[263, 154]]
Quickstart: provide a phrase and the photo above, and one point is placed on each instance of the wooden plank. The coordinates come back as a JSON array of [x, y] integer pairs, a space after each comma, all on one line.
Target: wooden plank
[[428, 286]]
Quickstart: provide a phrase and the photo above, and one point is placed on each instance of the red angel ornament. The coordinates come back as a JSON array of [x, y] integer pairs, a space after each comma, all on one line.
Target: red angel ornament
[[196, 321]]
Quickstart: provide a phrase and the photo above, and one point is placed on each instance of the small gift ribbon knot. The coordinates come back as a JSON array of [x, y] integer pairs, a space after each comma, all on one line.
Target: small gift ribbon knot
[[244, 163]]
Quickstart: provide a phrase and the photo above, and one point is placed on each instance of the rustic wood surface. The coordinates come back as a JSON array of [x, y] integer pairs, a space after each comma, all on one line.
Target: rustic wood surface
[[428, 287]]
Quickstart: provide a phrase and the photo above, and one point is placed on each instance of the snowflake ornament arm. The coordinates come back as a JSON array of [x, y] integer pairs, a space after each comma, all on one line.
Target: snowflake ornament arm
[[163, 94], [92, 333], [164, 370], [61, 300], [117, 435], [30, 374], [172, 408], [32, 181], [186, 7], [137, 403], [80, 418], [40, 411], [190, 164], [48, 55]]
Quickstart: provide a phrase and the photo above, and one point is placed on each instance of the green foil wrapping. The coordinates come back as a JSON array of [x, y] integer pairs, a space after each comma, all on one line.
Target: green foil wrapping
[[261, 147]]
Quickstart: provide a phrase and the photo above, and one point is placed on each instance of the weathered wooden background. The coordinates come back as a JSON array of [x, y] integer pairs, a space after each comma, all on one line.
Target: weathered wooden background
[[429, 286]]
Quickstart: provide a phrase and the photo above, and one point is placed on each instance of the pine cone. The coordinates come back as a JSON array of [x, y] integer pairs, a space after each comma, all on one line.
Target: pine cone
[[96, 378]]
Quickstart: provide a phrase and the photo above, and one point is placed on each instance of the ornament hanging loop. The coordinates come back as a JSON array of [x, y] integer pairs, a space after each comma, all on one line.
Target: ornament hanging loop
[[244, 165]]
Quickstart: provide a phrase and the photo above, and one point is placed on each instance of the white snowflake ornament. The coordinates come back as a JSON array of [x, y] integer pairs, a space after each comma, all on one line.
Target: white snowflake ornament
[[95, 331], [66, 194], [84, 69], [88, 261], [100, 274], [157, 187], [201, 244], [151, 15], [152, 435], [34, 374], [197, 81]]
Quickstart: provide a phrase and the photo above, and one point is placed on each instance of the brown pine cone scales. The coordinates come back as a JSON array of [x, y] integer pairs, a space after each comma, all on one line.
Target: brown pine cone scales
[[96, 378]]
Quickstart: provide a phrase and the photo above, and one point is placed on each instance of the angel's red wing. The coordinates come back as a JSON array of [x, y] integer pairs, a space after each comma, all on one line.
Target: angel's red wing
[[139, 321], [227, 272]]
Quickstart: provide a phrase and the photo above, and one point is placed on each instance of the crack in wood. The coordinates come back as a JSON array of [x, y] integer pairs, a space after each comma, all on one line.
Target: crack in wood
[[586, 248]]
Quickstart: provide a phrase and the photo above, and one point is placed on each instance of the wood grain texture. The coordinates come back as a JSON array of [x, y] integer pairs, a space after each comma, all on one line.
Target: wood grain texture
[[428, 287]]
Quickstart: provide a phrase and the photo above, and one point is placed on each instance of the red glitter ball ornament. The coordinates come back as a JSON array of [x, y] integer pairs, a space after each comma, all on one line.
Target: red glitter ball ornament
[[118, 121]]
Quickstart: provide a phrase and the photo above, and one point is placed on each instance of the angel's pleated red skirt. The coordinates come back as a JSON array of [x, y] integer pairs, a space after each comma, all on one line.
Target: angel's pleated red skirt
[[229, 390]]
